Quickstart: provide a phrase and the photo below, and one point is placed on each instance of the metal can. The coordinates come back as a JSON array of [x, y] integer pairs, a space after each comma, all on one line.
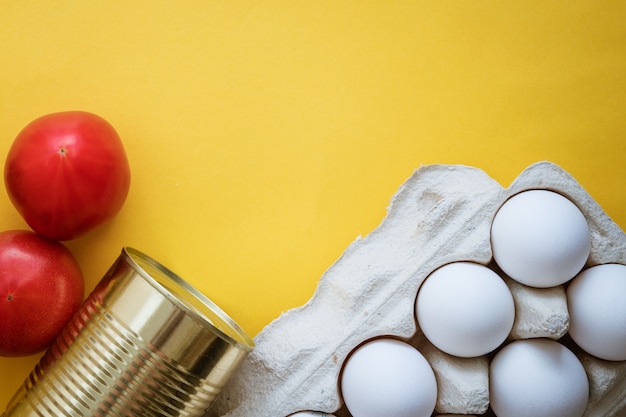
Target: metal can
[[144, 343]]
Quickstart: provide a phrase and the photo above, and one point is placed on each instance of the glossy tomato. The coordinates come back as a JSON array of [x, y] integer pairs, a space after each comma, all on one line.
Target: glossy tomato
[[67, 173], [41, 287]]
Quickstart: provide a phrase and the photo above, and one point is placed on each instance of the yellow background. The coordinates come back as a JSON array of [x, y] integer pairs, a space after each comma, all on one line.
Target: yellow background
[[264, 137]]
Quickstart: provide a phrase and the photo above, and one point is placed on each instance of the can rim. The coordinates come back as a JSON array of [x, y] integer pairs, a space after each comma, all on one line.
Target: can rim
[[189, 299]]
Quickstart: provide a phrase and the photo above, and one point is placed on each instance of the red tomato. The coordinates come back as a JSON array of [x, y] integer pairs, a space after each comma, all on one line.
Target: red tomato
[[67, 173], [41, 287]]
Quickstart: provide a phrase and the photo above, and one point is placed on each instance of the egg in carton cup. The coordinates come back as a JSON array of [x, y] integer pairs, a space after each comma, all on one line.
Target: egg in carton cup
[[441, 216]]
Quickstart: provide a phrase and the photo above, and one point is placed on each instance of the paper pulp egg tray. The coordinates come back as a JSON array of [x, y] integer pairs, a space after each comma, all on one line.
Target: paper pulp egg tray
[[441, 214]]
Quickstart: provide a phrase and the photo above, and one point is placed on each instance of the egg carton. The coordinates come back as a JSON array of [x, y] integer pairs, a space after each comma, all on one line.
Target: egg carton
[[441, 214]]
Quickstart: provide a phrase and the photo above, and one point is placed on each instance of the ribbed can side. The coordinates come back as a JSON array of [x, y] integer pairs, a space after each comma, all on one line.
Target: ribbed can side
[[109, 371]]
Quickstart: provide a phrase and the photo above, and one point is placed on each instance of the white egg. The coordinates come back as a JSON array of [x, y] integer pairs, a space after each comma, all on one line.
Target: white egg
[[540, 238], [310, 414], [388, 377], [538, 378], [595, 300], [465, 309]]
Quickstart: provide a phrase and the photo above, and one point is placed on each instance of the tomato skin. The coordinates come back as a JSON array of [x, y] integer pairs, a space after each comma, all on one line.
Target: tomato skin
[[41, 287], [67, 173]]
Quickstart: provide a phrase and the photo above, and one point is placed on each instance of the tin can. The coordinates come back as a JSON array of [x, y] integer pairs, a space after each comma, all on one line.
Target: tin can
[[144, 343]]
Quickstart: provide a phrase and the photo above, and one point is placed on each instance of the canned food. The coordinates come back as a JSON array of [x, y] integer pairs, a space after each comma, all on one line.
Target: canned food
[[144, 343]]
